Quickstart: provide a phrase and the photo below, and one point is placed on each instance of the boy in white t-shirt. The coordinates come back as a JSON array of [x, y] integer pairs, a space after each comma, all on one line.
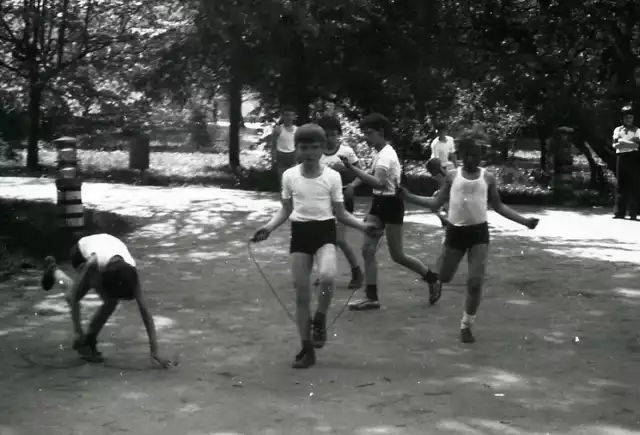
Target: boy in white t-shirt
[[387, 211], [103, 263], [334, 153], [282, 143], [312, 199], [443, 148]]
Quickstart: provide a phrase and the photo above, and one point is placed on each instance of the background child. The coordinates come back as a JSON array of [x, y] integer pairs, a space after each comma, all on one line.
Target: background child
[[103, 263]]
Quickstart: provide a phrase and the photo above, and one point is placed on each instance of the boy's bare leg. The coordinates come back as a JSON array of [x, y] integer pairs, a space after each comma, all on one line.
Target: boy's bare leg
[[98, 321], [327, 269], [477, 258], [301, 265]]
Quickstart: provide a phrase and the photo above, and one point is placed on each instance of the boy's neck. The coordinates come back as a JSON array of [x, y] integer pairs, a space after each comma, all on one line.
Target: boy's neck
[[311, 168]]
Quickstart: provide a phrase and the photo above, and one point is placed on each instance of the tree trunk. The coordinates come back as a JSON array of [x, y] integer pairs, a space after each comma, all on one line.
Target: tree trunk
[[543, 138], [596, 176], [235, 121], [35, 100]]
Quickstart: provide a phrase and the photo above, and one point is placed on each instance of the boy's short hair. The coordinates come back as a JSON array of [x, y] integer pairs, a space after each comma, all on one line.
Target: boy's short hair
[[120, 279], [434, 166], [377, 121], [330, 123], [441, 126], [309, 133], [287, 108]]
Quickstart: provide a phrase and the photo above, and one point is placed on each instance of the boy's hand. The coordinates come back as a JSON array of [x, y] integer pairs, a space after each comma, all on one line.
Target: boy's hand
[[164, 363], [532, 223], [345, 161], [443, 220], [261, 235]]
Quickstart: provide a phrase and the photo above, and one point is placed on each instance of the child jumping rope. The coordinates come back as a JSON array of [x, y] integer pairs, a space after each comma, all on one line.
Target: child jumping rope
[[311, 193], [103, 263], [467, 231], [387, 211]]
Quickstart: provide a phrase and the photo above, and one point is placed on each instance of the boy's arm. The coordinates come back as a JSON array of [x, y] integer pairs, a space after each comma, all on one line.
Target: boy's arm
[[434, 203], [501, 208], [78, 291], [147, 319], [377, 180], [281, 216], [347, 218]]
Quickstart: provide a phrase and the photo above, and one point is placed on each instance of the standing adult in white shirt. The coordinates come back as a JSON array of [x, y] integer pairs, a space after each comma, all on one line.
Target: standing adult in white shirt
[[626, 141], [443, 148]]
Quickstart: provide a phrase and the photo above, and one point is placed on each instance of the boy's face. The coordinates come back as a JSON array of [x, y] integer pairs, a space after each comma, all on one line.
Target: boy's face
[[310, 151], [471, 157], [442, 132], [627, 119], [288, 117], [332, 141], [374, 138]]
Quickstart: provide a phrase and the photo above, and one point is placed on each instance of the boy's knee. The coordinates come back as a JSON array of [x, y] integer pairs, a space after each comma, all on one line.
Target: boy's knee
[[369, 249], [303, 296], [327, 277], [397, 256], [475, 283], [445, 277]]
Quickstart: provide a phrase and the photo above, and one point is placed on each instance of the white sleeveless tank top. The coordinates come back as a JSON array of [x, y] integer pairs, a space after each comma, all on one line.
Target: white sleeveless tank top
[[468, 200], [286, 144], [104, 247]]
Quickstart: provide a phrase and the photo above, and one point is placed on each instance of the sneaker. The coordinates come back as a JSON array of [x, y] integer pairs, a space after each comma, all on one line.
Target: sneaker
[[435, 287], [305, 359], [364, 305], [357, 279], [48, 277], [466, 336], [318, 334], [633, 218]]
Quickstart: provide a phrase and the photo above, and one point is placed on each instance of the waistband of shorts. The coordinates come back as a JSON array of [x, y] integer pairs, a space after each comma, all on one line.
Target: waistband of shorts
[[472, 226], [385, 195], [310, 223]]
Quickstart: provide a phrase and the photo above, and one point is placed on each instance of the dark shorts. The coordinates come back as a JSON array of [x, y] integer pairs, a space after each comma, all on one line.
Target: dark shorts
[[308, 237], [389, 209], [77, 259], [464, 238], [286, 160]]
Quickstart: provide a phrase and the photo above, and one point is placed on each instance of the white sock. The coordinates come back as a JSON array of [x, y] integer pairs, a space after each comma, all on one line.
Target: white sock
[[467, 320]]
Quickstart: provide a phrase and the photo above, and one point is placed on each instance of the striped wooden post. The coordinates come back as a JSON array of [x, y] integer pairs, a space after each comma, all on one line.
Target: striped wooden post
[[69, 186]]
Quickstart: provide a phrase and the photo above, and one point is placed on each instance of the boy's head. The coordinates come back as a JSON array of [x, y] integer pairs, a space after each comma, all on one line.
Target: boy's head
[[288, 115], [441, 128], [627, 115], [333, 131], [470, 151], [310, 142], [120, 279], [434, 167], [376, 129]]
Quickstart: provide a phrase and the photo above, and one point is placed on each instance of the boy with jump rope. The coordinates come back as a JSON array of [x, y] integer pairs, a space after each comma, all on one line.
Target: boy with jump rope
[[311, 194], [467, 189], [103, 263]]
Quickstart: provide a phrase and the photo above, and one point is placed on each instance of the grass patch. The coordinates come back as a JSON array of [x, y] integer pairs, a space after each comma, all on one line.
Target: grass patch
[[520, 181], [29, 232]]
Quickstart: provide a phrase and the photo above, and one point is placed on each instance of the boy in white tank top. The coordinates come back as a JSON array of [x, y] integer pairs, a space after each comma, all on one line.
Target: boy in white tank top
[[103, 263], [468, 189], [312, 199]]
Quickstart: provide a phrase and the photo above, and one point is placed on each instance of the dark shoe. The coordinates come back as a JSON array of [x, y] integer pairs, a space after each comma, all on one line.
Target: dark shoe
[[88, 351], [318, 333], [633, 218], [357, 279], [364, 305], [618, 216], [466, 336], [48, 277], [305, 359], [435, 287]]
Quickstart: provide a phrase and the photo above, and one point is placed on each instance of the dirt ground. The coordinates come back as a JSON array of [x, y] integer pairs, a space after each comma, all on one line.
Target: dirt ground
[[558, 350]]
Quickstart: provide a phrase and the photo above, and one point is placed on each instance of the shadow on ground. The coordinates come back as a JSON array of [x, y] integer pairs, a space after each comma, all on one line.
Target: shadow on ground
[[557, 350]]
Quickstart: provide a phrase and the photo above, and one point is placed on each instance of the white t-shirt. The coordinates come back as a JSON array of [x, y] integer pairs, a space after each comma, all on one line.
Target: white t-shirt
[[387, 159], [441, 150], [336, 164], [285, 142], [627, 134], [313, 198], [104, 247]]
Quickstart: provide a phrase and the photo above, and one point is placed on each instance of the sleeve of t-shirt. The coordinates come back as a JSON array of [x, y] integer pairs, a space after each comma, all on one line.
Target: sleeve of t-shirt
[[616, 133], [384, 161], [336, 187], [286, 185]]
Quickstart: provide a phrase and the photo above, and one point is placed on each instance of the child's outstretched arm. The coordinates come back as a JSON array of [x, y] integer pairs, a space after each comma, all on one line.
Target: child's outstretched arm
[[78, 291], [434, 203], [504, 210], [150, 326]]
